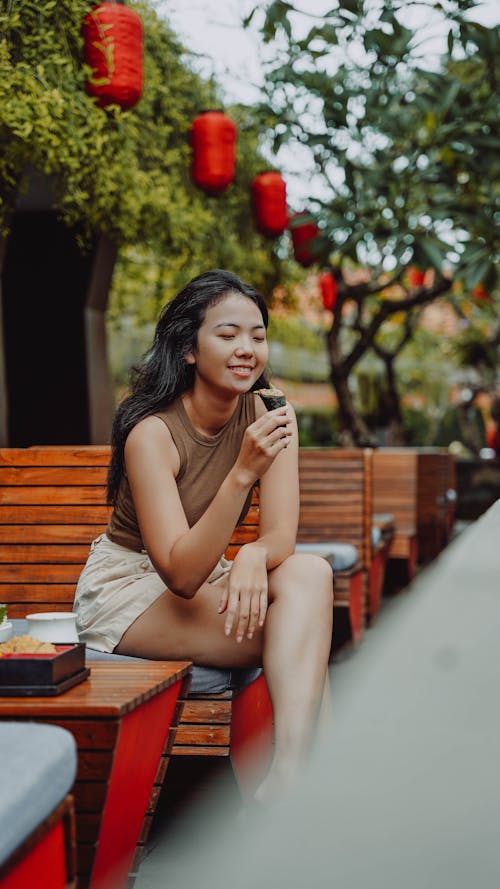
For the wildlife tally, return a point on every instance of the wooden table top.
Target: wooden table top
(111, 690)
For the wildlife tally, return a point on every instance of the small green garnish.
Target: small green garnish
(3, 613)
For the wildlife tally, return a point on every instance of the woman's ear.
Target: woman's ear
(189, 358)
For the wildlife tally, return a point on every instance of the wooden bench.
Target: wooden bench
(415, 485)
(336, 504)
(52, 505)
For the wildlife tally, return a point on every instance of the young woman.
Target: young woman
(188, 445)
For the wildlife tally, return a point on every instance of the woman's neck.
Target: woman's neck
(207, 413)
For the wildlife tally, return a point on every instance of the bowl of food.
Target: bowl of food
(53, 626)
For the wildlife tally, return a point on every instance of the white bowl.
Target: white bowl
(5, 630)
(53, 626)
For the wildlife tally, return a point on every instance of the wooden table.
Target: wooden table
(120, 718)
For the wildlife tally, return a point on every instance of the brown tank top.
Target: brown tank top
(204, 464)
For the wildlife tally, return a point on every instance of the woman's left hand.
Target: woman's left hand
(245, 596)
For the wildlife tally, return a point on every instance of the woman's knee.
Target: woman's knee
(305, 573)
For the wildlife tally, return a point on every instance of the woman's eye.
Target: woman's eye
(260, 339)
(227, 336)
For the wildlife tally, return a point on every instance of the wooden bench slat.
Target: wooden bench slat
(34, 495)
(53, 475)
(44, 554)
(202, 735)
(39, 592)
(206, 711)
(41, 534)
(49, 514)
(57, 455)
(18, 609)
(41, 574)
(200, 750)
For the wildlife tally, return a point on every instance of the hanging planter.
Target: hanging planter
(213, 141)
(113, 48)
(269, 203)
(416, 276)
(328, 287)
(303, 232)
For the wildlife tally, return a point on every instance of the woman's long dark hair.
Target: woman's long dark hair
(163, 374)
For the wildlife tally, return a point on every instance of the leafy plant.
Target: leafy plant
(408, 156)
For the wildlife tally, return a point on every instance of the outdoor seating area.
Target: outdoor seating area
(249, 437)
(52, 505)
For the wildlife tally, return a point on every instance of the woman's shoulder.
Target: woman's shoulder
(151, 438)
(151, 429)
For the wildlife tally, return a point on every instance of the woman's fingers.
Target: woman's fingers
(254, 618)
(262, 607)
(243, 617)
(233, 609)
(223, 600)
(245, 613)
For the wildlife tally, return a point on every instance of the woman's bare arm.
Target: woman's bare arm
(245, 597)
(279, 502)
(183, 556)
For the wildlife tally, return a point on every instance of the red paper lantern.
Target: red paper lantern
(213, 140)
(302, 235)
(479, 293)
(415, 276)
(269, 203)
(114, 50)
(328, 286)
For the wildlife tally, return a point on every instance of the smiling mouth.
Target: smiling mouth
(241, 370)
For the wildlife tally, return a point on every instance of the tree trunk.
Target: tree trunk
(353, 429)
(395, 434)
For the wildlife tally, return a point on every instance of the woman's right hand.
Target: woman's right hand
(262, 442)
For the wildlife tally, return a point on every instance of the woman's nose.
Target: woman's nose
(244, 346)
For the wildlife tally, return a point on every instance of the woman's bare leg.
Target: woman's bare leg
(190, 629)
(293, 647)
(297, 641)
(325, 719)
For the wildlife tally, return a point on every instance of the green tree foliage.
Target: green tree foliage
(407, 152)
(116, 172)
(125, 174)
(122, 173)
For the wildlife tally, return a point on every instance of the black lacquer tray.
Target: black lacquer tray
(43, 674)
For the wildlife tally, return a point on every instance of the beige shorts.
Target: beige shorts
(115, 587)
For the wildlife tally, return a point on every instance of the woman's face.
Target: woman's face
(231, 351)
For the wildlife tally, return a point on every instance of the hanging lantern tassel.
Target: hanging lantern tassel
(302, 235)
(113, 48)
(269, 203)
(328, 286)
(415, 276)
(213, 141)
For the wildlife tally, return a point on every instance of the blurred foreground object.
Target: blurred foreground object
(406, 791)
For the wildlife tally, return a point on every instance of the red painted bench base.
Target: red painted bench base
(47, 859)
